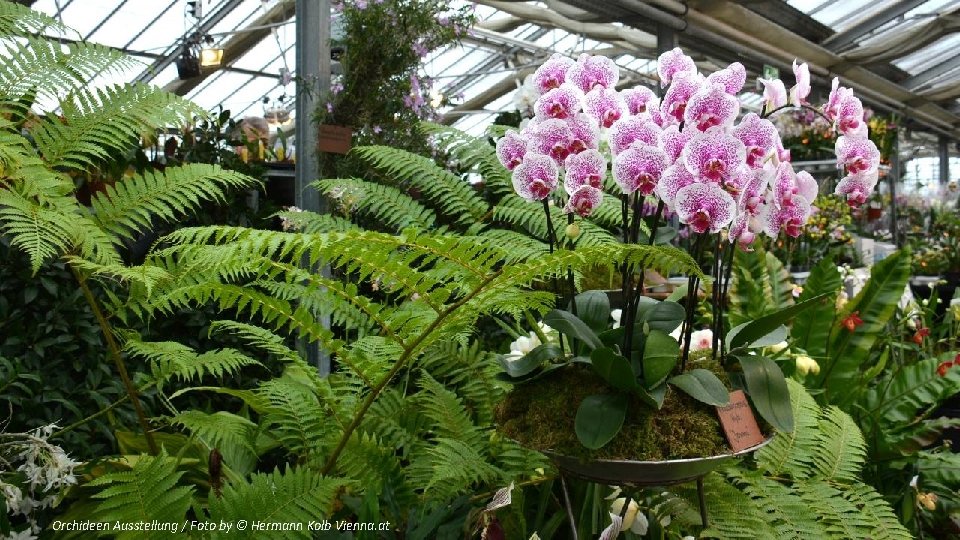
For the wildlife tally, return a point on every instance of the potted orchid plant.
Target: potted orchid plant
(691, 151)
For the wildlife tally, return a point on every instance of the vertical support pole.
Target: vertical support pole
(893, 177)
(701, 498)
(943, 152)
(666, 38)
(313, 79)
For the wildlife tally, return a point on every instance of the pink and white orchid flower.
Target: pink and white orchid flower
(638, 98)
(562, 102)
(683, 87)
(759, 136)
(553, 138)
(732, 78)
(856, 188)
(857, 155)
(552, 73)
(584, 201)
(673, 141)
(630, 130)
(536, 177)
(588, 168)
(591, 71)
(604, 104)
(800, 91)
(774, 94)
(705, 207)
(639, 168)
(673, 179)
(713, 155)
(672, 62)
(711, 106)
(510, 149)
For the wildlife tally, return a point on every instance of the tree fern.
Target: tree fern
(791, 452)
(297, 495)
(232, 435)
(383, 205)
(170, 360)
(475, 154)
(451, 195)
(449, 467)
(148, 492)
(19, 20)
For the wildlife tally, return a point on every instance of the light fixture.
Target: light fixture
(210, 56)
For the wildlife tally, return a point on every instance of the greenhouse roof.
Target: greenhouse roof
(897, 54)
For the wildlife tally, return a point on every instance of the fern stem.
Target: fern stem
(117, 359)
(401, 362)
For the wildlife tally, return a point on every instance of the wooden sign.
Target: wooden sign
(738, 422)
(334, 139)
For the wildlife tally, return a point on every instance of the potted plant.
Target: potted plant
(618, 395)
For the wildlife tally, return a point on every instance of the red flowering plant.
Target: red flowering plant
(727, 178)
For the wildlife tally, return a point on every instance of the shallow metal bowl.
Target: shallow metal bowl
(644, 473)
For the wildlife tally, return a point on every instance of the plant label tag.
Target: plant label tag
(738, 422)
(334, 139)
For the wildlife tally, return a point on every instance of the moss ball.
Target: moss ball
(540, 415)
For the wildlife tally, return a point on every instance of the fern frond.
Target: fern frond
(385, 205)
(297, 495)
(232, 435)
(782, 508)
(792, 452)
(449, 194)
(840, 518)
(447, 413)
(170, 359)
(877, 513)
(841, 450)
(449, 468)
(254, 336)
(40, 231)
(148, 492)
(19, 20)
(296, 416)
(473, 153)
(130, 206)
(312, 222)
(44, 67)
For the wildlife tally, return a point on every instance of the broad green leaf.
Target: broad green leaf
(599, 419)
(757, 329)
(702, 385)
(665, 315)
(660, 355)
(776, 336)
(653, 397)
(614, 369)
(530, 361)
(569, 324)
(593, 308)
(812, 331)
(875, 304)
(768, 390)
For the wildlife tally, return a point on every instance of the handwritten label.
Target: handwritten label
(334, 139)
(738, 422)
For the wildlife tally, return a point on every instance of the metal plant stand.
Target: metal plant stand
(639, 474)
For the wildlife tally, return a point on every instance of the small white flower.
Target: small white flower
(913, 481)
(805, 365)
(689, 538)
(615, 315)
(701, 340)
(634, 520)
(777, 347)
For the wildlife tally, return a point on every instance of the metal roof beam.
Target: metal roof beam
(170, 55)
(849, 36)
(933, 73)
(240, 43)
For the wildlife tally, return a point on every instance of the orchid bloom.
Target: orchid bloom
(683, 87)
(673, 141)
(788, 217)
(639, 168)
(586, 133)
(857, 155)
(605, 105)
(837, 94)
(711, 106)
(759, 136)
(587, 168)
(705, 207)
(800, 91)
(552, 73)
(552, 137)
(584, 201)
(638, 99)
(630, 130)
(672, 62)
(673, 179)
(732, 78)
(562, 102)
(510, 149)
(713, 155)
(856, 188)
(774, 94)
(536, 177)
(849, 115)
(591, 71)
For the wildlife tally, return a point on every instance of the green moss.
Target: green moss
(541, 415)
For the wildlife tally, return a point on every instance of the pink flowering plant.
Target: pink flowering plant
(691, 150)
